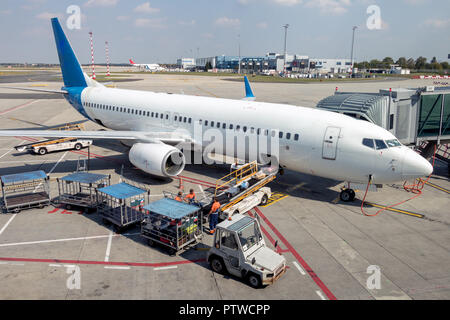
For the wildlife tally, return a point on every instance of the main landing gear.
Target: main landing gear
(347, 195)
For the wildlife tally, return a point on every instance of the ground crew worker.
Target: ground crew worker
(190, 197)
(214, 216)
(178, 197)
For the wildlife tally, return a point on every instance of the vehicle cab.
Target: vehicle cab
(239, 249)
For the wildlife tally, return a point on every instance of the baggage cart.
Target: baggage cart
(25, 190)
(122, 205)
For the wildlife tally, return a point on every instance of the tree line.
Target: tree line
(421, 63)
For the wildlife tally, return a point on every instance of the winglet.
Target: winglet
(70, 67)
(248, 90)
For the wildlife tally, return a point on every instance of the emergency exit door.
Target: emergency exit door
(330, 142)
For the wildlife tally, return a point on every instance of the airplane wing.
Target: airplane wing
(38, 90)
(143, 136)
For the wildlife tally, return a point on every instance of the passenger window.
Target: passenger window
(231, 127)
(280, 134)
(266, 132)
(156, 114)
(206, 122)
(244, 128)
(161, 116)
(380, 144)
(224, 125)
(152, 114)
(175, 118)
(200, 121)
(252, 130)
(184, 119)
(189, 120)
(258, 131)
(238, 127)
(296, 137)
(368, 143)
(218, 125)
(212, 123)
(288, 136)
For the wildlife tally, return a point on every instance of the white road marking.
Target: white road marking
(118, 268)
(165, 268)
(108, 246)
(51, 170)
(18, 107)
(321, 295)
(9, 150)
(201, 190)
(12, 263)
(55, 265)
(62, 240)
(299, 268)
(7, 223)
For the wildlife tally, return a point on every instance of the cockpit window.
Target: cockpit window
(380, 144)
(393, 143)
(368, 143)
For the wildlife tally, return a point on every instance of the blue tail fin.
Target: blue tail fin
(248, 89)
(70, 67)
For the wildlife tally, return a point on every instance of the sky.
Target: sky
(160, 31)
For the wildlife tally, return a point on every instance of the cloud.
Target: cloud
(146, 8)
(262, 25)
(150, 23)
(334, 7)
(227, 22)
(33, 4)
(101, 3)
(436, 23)
(288, 3)
(187, 23)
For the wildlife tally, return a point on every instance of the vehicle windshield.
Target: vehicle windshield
(393, 143)
(249, 236)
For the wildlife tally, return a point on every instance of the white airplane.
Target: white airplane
(311, 141)
(147, 66)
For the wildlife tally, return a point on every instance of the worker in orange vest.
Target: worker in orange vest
(190, 197)
(214, 216)
(179, 197)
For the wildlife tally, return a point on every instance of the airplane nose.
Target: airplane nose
(415, 166)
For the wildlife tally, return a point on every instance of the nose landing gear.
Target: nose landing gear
(347, 195)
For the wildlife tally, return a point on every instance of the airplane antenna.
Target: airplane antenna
(92, 54)
(107, 59)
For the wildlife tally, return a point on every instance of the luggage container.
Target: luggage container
(122, 205)
(173, 224)
(25, 190)
(79, 189)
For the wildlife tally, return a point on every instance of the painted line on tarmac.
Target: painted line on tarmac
(303, 263)
(409, 213)
(320, 295)
(109, 263)
(18, 107)
(432, 185)
(117, 268)
(62, 240)
(7, 223)
(165, 268)
(299, 268)
(108, 246)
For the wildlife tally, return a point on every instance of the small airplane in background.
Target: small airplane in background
(147, 66)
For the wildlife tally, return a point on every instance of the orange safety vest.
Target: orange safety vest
(178, 198)
(215, 207)
(190, 196)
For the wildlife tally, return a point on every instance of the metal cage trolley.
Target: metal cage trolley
(25, 190)
(121, 204)
(79, 189)
(172, 224)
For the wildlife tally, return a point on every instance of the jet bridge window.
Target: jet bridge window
(380, 144)
(368, 143)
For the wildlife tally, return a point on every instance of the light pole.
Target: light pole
(286, 26)
(353, 42)
(239, 53)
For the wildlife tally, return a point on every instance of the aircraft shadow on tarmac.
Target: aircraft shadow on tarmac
(31, 96)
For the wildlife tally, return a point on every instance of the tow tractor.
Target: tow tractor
(240, 250)
(43, 147)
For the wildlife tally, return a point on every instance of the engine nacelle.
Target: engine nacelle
(158, 159)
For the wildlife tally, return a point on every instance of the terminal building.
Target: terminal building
(274, 62)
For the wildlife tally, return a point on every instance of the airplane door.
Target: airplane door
(330, 142)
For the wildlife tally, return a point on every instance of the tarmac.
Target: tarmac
(330, 246)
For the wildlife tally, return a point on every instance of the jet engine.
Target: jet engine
(158, 159)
